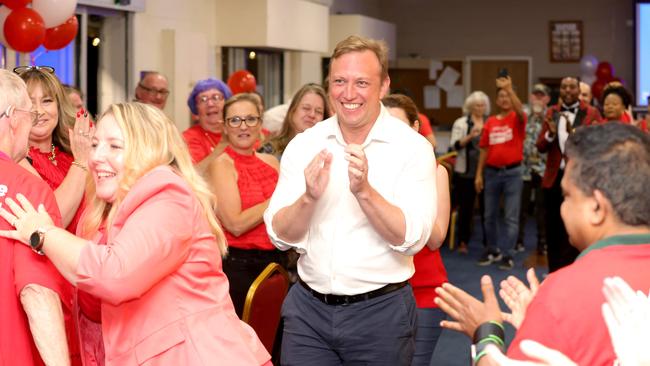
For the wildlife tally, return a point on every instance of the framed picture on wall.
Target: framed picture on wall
(565, 41)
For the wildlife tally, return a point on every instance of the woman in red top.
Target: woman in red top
(244, 181)
(616, 101)
(429, 270)
(57, 152)
(204, 138)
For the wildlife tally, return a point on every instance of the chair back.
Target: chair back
(264, 302)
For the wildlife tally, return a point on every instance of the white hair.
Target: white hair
(13, 90)
(477, 96)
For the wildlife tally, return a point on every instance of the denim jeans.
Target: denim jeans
(506, 183)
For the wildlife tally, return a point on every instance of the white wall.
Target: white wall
(179, 40)
(342, 26)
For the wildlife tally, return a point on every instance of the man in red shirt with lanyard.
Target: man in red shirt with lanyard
(499, 171)
(608, 222)
(34, 298)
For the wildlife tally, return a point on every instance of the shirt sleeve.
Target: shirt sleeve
(31, 268)
(425, 126)
(153, 242)
(416, 194)
(291, 185)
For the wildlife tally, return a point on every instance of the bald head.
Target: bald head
(585, 92)
(153, 89)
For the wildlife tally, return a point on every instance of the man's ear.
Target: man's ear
(385, 87)
(601, 208)
(416, 125)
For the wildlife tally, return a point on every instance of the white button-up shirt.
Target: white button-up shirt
(342, 253)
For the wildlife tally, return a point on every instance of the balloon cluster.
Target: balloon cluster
(50, 23)
(242, 81)
(598, 74)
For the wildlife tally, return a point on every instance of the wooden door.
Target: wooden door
(483, 73)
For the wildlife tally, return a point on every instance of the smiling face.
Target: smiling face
(48, 113)
(243, 137)
(613, 107)
(503, 101)
(209, 105)
(569, 90)
(310, 111)
(356, 89)
(107, 158)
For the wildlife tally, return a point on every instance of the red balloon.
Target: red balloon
(24, 30)
(59, 36)
(16, 4)
(604, 71)
(242, 81)
(597, 88)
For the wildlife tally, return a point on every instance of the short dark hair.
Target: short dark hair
(405, 103)
(622, 93)
(613, 158)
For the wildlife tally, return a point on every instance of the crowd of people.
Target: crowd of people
(125, 241)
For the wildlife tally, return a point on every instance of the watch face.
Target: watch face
(34, 239)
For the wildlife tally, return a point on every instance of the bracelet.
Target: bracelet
(78, 164)
(489, 329)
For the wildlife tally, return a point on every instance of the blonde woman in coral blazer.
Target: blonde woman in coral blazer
(164, 298)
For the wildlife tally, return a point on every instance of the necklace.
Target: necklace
(52, 156)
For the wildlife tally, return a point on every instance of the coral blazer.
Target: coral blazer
(164, 295)
(586, 115)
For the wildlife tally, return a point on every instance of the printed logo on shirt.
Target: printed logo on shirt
(3, 190)
(500, 135)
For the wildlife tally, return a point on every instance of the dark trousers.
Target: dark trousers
(379, 331)
(242, 266)
(465, 197)
(560, 252)
(530, 186)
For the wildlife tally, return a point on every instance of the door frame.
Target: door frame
(470, 59)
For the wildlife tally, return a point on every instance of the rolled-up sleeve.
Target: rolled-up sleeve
(416, 194)
(291, 185)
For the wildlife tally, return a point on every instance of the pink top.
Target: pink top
(256, 181)
(164, 295)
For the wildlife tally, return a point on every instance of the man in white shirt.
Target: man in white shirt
(356, 199)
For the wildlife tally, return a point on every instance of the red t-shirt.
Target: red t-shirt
(256, 181)
(565, 315)
(20, 266)
(504, 139)
(425, 125)
(200, 142)
(429, 273)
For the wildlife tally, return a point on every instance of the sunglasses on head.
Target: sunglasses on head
(23, 69)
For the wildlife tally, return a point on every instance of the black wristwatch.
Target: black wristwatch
(37, 239)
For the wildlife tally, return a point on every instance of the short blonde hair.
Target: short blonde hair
(151, 140)
(359, 44)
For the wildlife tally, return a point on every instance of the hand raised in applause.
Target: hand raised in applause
(551, 124)
(317, 175)
(80, 136)
(357, 168)
(468, 312)
(518, 296)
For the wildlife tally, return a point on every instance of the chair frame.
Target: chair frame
(271, 269)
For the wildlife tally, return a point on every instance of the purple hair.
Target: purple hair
(207, 84)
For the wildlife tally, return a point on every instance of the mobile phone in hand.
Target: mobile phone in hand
(503, 73)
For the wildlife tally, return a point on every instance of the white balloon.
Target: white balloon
(54, 12)
(4, 12)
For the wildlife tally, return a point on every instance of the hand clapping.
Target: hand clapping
(317, 175)
(357, 168)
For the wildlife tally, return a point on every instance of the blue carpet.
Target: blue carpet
(453, 347)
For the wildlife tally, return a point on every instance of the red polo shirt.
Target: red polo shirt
(566, 312)
(20, 266)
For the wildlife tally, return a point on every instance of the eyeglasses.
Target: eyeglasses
(250, 121)
(11, 109)
(23, 69)
(153, 91)
(214, 97)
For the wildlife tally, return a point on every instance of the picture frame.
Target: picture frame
(566, 42)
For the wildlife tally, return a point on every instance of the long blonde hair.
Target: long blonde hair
(151, 140)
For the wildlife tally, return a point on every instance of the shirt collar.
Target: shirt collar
(379, 131)
(630, 239)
